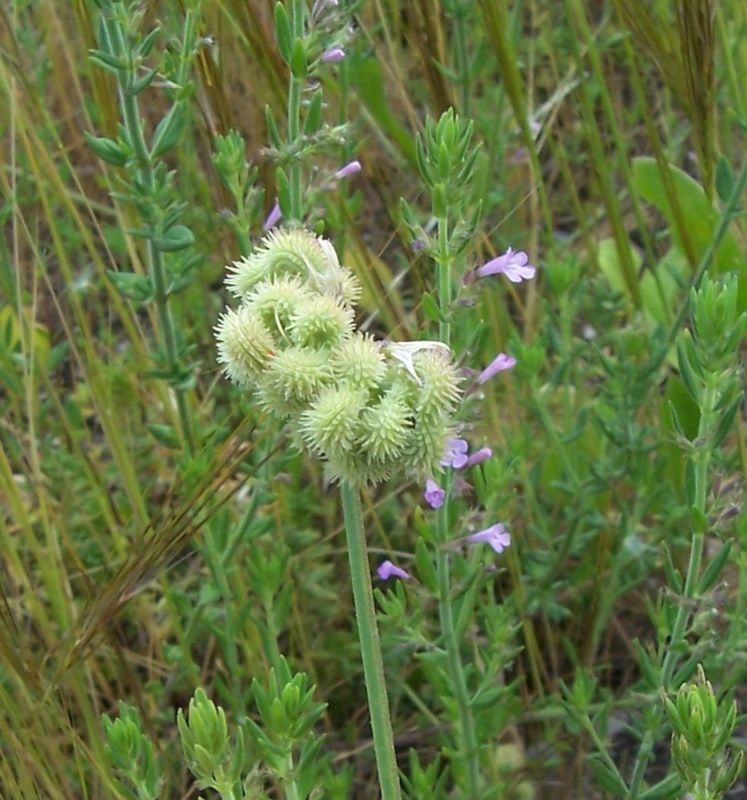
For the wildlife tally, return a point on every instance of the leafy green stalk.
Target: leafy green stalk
(129, 86)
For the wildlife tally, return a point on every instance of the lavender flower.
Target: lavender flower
(500, 363)
(387, 570)
(350, 168)
(434, 495)
(455, 454)
(273, 217)
(496, 536)
(483, 454)
(333, 55)
(513, 264)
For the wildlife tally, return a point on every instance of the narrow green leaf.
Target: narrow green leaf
(273, 134)
(168, 131)
(140, 84)
(283, 32)
(608, 779)
(313, 121)
(283, 186)
(726, 422)
(674, 578)
(724, 179)
(430, 307)
(165, 435)
(145, 47)
(425, 568)
(686, 369)
(106, 149)
(298, 58)
(715, 567)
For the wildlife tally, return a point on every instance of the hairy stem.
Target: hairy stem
(702, 459)
(368, 633)
(468, 739)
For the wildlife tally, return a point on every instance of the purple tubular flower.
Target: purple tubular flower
(483, 454)
(349, 169)
(387, 570)
(434, 495)
(273, 217)
(498, 364)
(333, 55)
(455, 454)
(496, 536)
(513, 264)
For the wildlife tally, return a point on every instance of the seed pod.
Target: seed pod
(245, 346)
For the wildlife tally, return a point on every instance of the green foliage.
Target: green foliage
(701, 730)
(131, 753)
(162, 530)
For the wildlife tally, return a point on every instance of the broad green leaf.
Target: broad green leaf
(611, 266)
(700, 217)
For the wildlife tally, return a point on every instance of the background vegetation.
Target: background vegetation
(140, 560)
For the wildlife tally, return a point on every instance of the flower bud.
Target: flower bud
(245, 346)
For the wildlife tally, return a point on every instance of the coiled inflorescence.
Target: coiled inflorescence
(367, 408)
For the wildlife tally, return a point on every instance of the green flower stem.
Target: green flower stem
(707, 414)
(294, 115)
(373, 666)
(136, 135)
(702, 460)
(294, 127)
(290, 786)
(468, 739)
(444, 282)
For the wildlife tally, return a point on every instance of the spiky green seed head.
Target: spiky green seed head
(283, 252)
(386, 428)
(295, 251)
(276, 302)
(425, 446)
(331, 425)
(439, 384)
(359, 361)
(293, 378)
(245, 346)
(321, 321)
